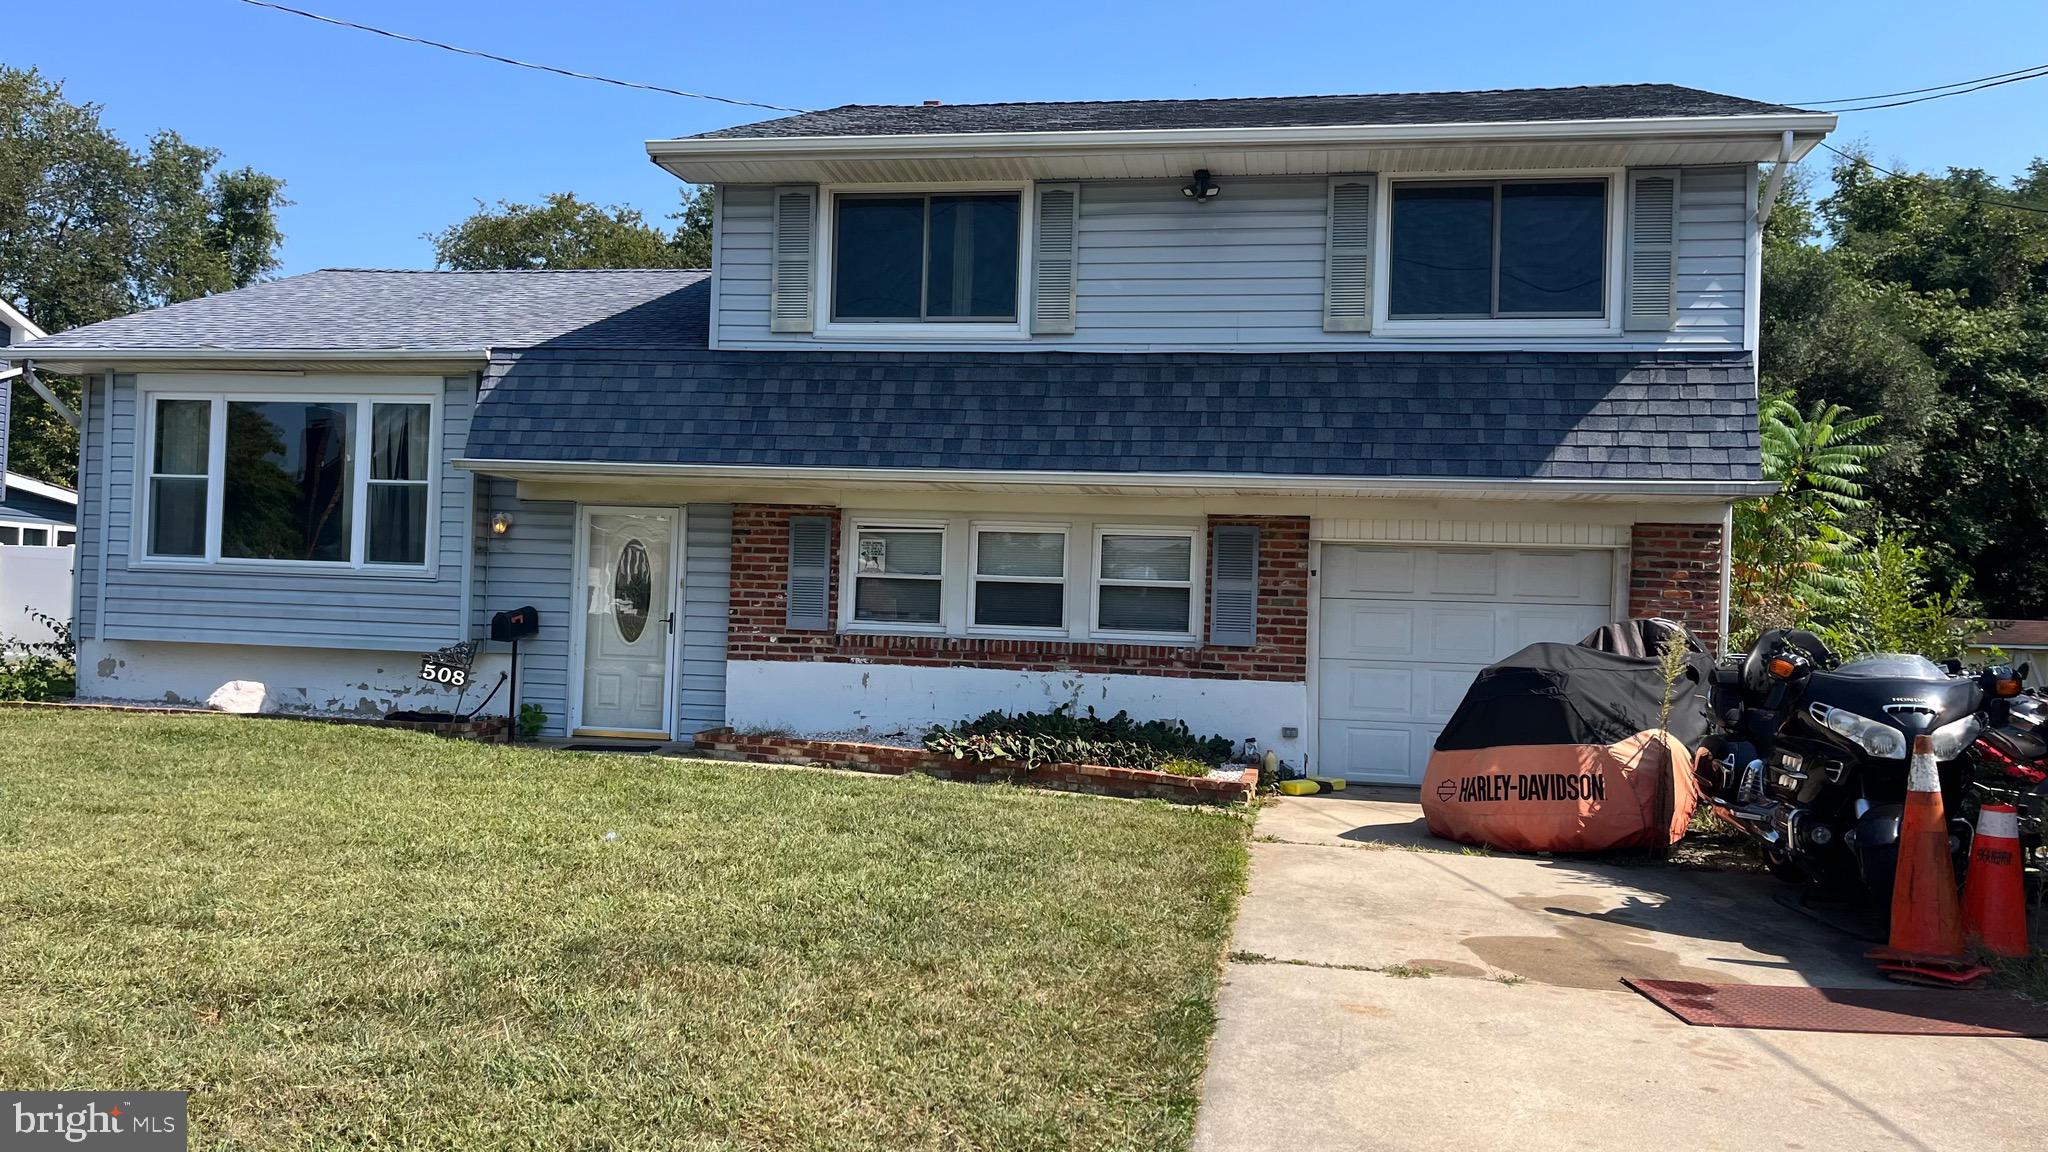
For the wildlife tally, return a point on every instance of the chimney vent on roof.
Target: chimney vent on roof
(933, 103)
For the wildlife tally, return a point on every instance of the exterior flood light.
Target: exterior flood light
(501, 524)
(1201, 191)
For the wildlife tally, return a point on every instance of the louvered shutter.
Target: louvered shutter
(1234, 585)
(1054, 277)
(792, 296)
(810, 572)
(1652, 302)
(1347, 267)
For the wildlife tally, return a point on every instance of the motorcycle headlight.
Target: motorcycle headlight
(1951, 739)
(1880, 740)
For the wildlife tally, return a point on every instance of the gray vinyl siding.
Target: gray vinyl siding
(707, 597)
(534, 565)
(92, 499)
(1242, 272)
(223, 605)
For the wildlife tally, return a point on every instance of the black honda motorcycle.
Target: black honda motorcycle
(1812, 754)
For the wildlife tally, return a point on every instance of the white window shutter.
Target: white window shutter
(1347, 266)
(1055, 284)
(792, 297)
(1652, 300)
(1234, 585)
(810, 572)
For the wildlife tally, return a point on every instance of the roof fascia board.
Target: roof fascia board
(1769, 126)
(34, 487)
(50, 356)
(1097, 481)
(13, 318)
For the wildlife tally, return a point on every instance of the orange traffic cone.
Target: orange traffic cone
(1927, 926)
(1994, 902)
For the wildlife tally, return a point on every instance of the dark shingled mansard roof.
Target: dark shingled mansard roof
(356, 309)
(1500, 106)
(1523, 415)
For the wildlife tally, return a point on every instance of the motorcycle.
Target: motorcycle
(1812, 755)
(2009, 765)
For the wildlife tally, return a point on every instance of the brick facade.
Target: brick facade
(759, 629)
(1675, 572)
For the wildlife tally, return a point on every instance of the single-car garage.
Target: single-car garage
(1403, 630)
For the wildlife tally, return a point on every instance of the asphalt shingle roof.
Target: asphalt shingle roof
(1601, 102)
(360, 309)
(1555, 415)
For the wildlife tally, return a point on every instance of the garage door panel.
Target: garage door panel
(1355, 629)
(1460, 633)
(1356, 690)
(1466, 574)
(1385, 753)
(1383, 572)
(1536, 625)
(1443, 690)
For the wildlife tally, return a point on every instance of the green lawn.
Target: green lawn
(345, 937)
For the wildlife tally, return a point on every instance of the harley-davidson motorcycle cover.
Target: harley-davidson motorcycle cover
(1558, 749)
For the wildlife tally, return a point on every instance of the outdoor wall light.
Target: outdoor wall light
(501, 524)
(1201, 191)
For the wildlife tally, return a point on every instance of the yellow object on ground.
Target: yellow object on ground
(1331, 783)
(1299, 787)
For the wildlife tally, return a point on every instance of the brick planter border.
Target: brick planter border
(1097, 779)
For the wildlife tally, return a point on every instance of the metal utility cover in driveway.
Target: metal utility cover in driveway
(1888, 1011)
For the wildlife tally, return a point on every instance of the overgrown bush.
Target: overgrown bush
(1061, 737)
(46, 670)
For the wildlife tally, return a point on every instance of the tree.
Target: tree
(91, 229)
(1792, 552)
(566, 232)
(1894, 609)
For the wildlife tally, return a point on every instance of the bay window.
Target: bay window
(1498, 249)
(343, 482)
(1020, 578)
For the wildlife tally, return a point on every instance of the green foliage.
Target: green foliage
(565, 232)
(91, 229)
(1792, 548)
(532, 718)
(1061, 737)
(1896, 610)
(1182, 766)
(1927, 305)
(46, 670)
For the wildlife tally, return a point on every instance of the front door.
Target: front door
(628, 620)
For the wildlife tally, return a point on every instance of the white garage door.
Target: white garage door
(1404, 630)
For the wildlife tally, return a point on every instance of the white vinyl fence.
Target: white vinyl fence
(33, 578)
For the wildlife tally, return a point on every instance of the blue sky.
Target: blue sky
(381, 141)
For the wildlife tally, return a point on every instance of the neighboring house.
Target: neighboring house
(37, 532)
(2022, 642)
(1280, 416)
(15, 328)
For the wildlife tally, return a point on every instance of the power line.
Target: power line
(519, 63)
(1917, 91)
(2034, 74)
(1850, 156)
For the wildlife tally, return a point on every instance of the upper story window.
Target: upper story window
(917, 258)
(1498, 249)
(339, 482)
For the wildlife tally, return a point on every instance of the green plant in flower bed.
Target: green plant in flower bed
(1061, 737)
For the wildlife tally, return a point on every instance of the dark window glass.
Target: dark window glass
(632, 591)
(177, 483)
(973, 270)
(878, 269)
(1553, 248)
(287, 486)
(1441, 259)
(400, 463)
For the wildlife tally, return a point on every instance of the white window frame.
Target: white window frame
(849, 562)
(360, 391)
(1609, 324)
(1097, 582)
(822, 323)
(975, 577)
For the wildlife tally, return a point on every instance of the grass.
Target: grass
(360, 938)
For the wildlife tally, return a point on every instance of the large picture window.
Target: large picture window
(925, 257)
(1503, 249)
(287, 480)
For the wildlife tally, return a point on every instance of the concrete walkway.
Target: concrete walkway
(1523, 1038)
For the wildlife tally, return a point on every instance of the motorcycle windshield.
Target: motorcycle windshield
(1892, 666)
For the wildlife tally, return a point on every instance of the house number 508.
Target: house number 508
(443, 674)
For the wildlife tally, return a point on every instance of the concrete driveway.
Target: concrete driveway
(1522, 1036)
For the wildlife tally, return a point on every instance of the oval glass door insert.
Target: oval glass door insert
(632, 590)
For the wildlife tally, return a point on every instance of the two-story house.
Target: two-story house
(1278, 416)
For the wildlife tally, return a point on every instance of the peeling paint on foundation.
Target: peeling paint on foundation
(106, 667)
(296, 681)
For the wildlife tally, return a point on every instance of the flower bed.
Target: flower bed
(1234, 785)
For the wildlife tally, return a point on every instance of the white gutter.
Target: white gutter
(918, 144)
(61, 355)
(1018, 479)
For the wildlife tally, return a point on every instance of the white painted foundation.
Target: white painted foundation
(808, 698)
(309, 681)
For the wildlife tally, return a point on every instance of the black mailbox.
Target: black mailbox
(515, 624)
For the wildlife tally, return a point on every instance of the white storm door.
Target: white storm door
(628, 620)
